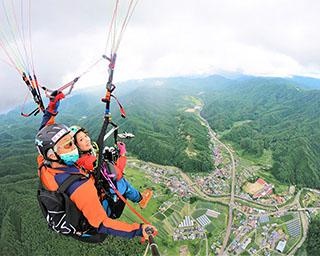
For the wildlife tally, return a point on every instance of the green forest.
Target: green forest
(276, 115)
(312, 244)
(253, 113)
(313, 241)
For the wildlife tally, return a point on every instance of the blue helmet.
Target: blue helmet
(48, 136)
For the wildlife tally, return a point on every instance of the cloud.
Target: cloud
(168, 38)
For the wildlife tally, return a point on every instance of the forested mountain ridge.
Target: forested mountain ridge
(275, 115)
(306, 82)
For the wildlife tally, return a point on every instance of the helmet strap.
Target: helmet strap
(58, 160)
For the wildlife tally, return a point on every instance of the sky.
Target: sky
(166, 38)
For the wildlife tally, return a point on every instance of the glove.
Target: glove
(122, 148)
(148, 230)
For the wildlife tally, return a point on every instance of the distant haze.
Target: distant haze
(169, 38)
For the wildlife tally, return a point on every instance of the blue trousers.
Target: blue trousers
(125, 189)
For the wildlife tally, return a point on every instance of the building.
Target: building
(294, 227)
(212, 213)
(187, 222)
(246, 243)
(266, 189)
(264, 219)
(203, 220)
(281, 245)
(279, 199)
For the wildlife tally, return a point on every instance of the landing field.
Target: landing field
(252, 188)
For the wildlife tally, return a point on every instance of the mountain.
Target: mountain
(306, 82)
(274, 115)
(254, 114)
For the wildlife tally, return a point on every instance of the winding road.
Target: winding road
(233, 178)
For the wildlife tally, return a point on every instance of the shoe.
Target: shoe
(146, 196)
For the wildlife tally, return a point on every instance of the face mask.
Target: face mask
(71, 157)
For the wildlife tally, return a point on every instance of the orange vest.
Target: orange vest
(87, 201)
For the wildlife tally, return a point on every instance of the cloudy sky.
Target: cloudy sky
(167, 38)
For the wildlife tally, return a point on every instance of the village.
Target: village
(259, 190)
(169, 177)
(254, 230)
(217, 182)
(188, 229)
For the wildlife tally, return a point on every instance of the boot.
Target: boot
(146, 196)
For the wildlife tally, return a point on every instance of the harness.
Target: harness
(61, 213)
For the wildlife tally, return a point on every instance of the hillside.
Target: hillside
(272, 114)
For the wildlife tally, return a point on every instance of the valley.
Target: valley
(269, 224)
(233, 165)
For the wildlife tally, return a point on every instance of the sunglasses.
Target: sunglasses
(68, 144)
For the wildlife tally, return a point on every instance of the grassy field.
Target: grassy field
(194, 100)
(291, 242)
(202, 248)
(264, 160)
(197, 213)
(159, 216)
(274, 253)
(252, 188)
(282, 219)
(302, 200)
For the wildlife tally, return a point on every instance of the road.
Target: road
(231, 204)
(233, 178)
